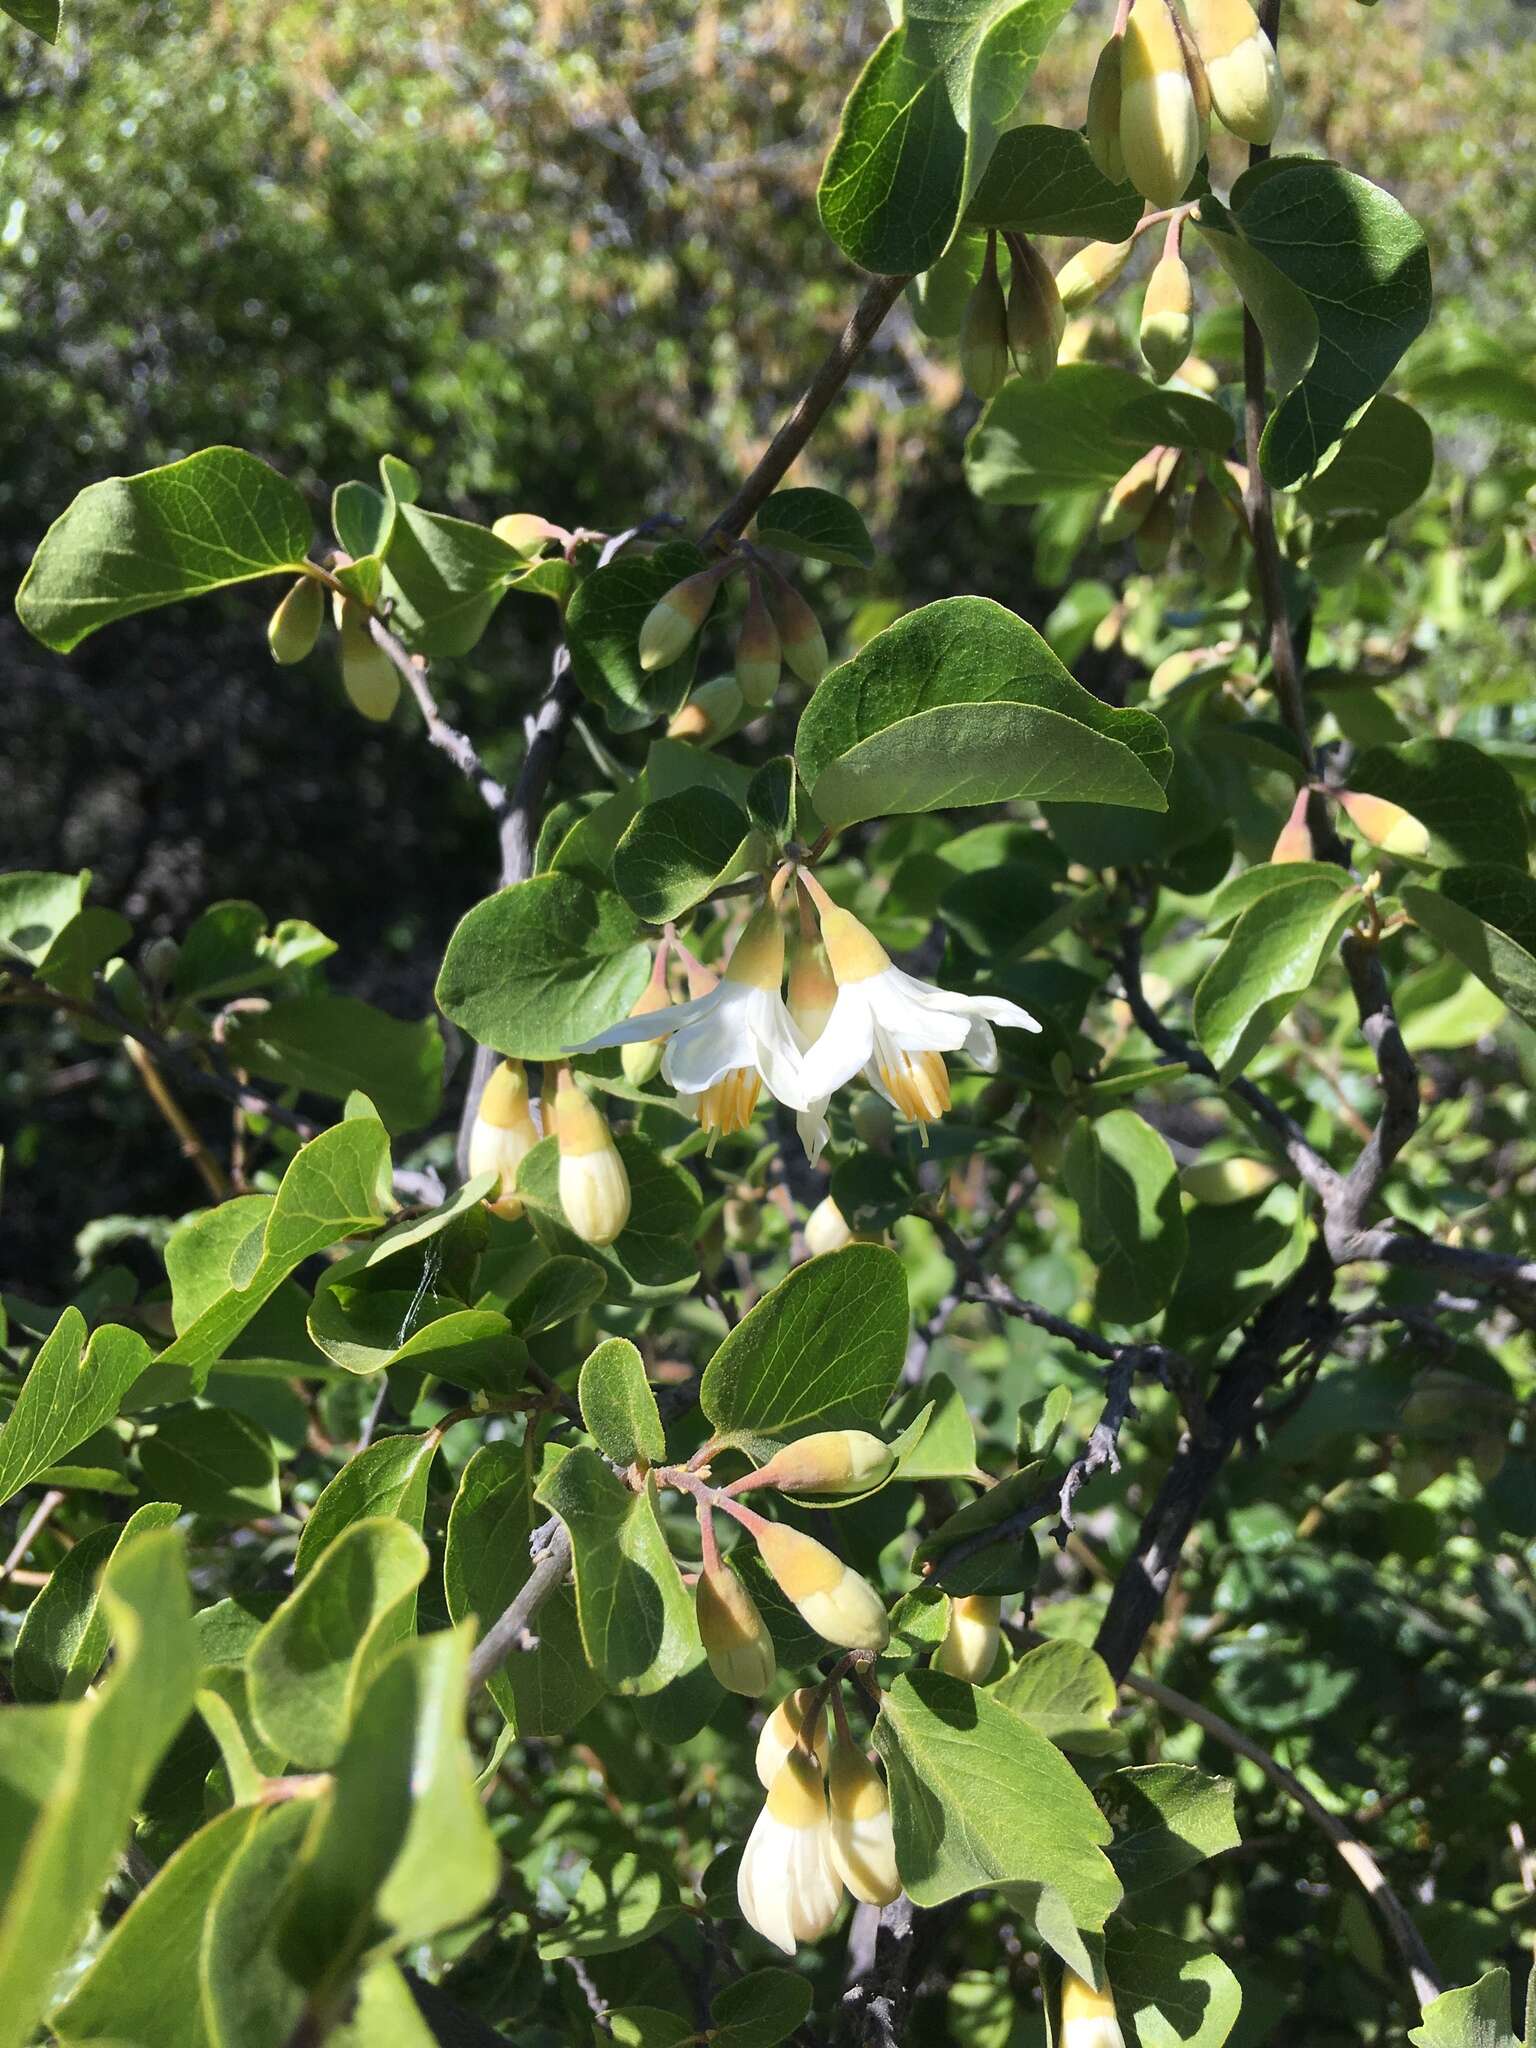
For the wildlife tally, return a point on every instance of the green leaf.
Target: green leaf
(759, 2010)
(1468, 801)
(1044, 181)
(250, 1998)
(1064, 1691)
(368, 1329)
(637, 1619)
(73, 1776)
(1486, 916)
(962, 703)
(41, 16)
(387, 1478)
(63, 1637)
(143, 1983)
(1180, 419)
(562, 1287)
(771, 799)
(85, 944)
(920, 126)
(72, 1389)
(131, 543)
(221, 952)
(676, 852)
(1472, 2016)
(979, 1799)
(1167, 1818)
(1177, 1994)
(1009, 1567)
(648, 2026)
(35, 908)
(616, 1905)
(820, 524)
(1382, 465)
(446, 577)
(603, 625)
(652, 1258)
(1278, 948)
(213, 1461)
(1240, 890)
(312, 1658)
(543, 966)
(947, 1447)
(617, 1405)
(542, 1691)
(1281, 309)
(330, 1045)
(1079, 431)
(1122, 1176)
(822, 1350)
(1361, 260)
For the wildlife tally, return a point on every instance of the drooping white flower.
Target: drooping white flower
(863, 1845)
(1087, 2016)
(969, 1648)
(788, 1887)
(725, 1045)
(812, 999)
(783, 1729)
(503, 1134)
(895, 1027)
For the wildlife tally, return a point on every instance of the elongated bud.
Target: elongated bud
(984, 333)
(812, 991)
(1103, 124)
(1386, 825)
(801, 640)
(874, 1122)
(1132, 498)
(1220, 1183)
(674, 619)
(1091, 271)
(713, 711)
(1295, 841)
(1247, 90)
(863, 1845)
(757, 651)
(1153, 539)
(831, 1598)
(735, 1636)
(831, 1461)
(367, 674)
(528, 532)
(295, 626)
(784, 1728)
(503, 1133)
(593, 1186)
(1212, 523)
(1035, 316)
(1159, 114)
(826, 1228)
(969, 1648)
(158, 961)
(642, 1062)
(787, 1886)
(1088, 2016)
(1168, 317)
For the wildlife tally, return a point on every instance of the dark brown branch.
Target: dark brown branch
(511, 1631)
(456, 745)
(1399, 1115)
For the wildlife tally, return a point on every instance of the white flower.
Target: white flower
(788, 1887)
(894, 1026)
(812, 999)
(863, 1846)
(724, 1045)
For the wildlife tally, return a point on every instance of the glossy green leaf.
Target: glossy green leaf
(1167, 1818)
(35, 908)
(1079, 431)
(603, 625)
(1176, 1994)
(41, 16)
(250, 1998)
(389, 1477)
(1065, 1692)
(676, 852)
(760, 2009)
(652, 1258)
(947, 1447)
(1486, 916)
(1471, 2016)
(329, 1045)
(1281, 309)
(562, 1287)
(366, 1329)
(446, 577)
(1249, 884)
(543, 966)
(63, 1636)
(1381, 466)
(72, 1389)
(214, 1461)
(820, 524)
(1468, 801)
(1043, 181)
(1278, 948)
(978, 1798)
(618, 1406)
(1122, 1176)
(617, 1904)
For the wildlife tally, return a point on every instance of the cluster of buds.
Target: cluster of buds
(1167, 68)
(1380, 823)
(778, 630)
(1025, 326)
(592, 1180)
(1143, 507)
(368, 676)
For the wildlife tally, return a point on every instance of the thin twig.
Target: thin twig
(551, 1546)
(456, 745)
(30, 1531)
(192, 1146)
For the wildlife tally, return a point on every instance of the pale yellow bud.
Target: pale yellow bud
(801, 640)
(713, 711)
(1103, 124)
(984, 336)
(1295, 840)
(1088, 2016)
(295, 626)
(503, 1134)
(642, 1063)
(863, 1846)
(788, 1887)
(368, 675)
(674, 619)
(735, 1636)
(826, 1228)
(1386, 825)
(1219, 1183)
(1153, 539)
(1133, 496)
(758, 657)
(594, 1188)
(784, 1729)
(1035, 315)
(1168, 317)
(831, 1598)
(1247, 90)
(1159, 114)
(527, 532)
(1091, 271)
(969, 1648)
(831, 1461)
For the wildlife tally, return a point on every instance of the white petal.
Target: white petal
(720, 1040)
(981, 1045)
(844, 1045)
(814, 1130)
(656, 1024)
(997, 1010)
(776, 1046)
(915, 1025)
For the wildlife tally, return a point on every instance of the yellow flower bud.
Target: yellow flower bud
(503, 1133)
(831, 1598)
(1153, 539)
(757, 651)
(1219, 1183)
(812, 990)
(1386, 825)
(527, 532)
(863, 1846)
(788, 1887)
(295, 626)
(1103, 124)
(735, 1636)
(801, 641)
(674, 619)
(984, 335)
(713, 711)
(831, 1461)
(1212, 522)
(1295, 841)
(642, 1062)
(969, 1648)
(594, 1188)
(1035, 316)
(1168, 317)
(1247, 90)
(783, 1730)
(368, 675)
(1132, 498)
(1091, 271)
(1088, 2016)
(826, 1228)
(1159, 114)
